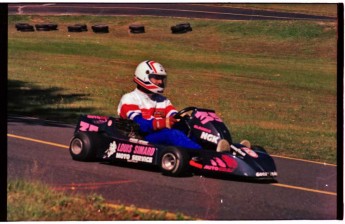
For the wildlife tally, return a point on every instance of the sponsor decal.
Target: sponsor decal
(111, 150)
(230, 162)
(216, 168)
(217, 162)
(87, 127)
(202, 128)
(122, 156)
(126, 148)
(134, 140)
(125, 151)
(266, 174)
(207, 117)
(273, 174)
(223, 164)
(250, 152)
(145, 159)
(144, 150)
(209, 137)
(97, 117)
(261, 174)
(239, 151)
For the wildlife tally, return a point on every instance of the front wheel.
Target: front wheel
(174, 162)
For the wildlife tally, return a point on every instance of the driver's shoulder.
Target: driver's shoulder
(129, 97)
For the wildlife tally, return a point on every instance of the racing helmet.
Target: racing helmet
(150, 69)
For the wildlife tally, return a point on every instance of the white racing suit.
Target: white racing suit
(143, 108)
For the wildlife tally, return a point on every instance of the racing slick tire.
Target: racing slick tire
(174, 162)
(82, 146)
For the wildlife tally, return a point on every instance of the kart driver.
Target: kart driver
(150, 109)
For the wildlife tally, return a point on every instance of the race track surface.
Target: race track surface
(153, 9)
(39, 150)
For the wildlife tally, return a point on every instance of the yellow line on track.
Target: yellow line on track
(303, 160)
(38, 141)
(274, 184)
(304, 189)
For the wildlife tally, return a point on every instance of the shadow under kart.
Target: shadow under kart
(112, 139)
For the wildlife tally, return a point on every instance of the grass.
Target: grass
(311, 9)
(34, 201)
(272, 82)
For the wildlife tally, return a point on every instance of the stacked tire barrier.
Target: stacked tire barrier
(98, 28)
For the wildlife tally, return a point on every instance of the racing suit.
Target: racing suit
(144, 108)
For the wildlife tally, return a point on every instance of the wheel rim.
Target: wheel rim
(76, 146)
(169, 161)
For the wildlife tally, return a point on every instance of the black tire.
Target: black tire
(174, 162)
(21, 25)
(82, 26)
(46, 26)
(83, 146)
(136, 29)
(181, 28)
(100, 28)
(52, 26)
(75, 28)
(24, 27)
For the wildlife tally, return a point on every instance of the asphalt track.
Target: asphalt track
(305, 190)
(170, 10)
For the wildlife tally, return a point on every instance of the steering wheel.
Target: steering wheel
(183, 112)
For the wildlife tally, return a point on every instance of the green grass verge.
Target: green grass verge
(34, 201)
(307, 8)
(272, 82)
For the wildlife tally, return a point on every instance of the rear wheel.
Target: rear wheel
(174, 162)
(83, 146)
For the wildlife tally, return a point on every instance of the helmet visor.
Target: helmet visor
(158, 80)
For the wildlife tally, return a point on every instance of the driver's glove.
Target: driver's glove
(160, 123)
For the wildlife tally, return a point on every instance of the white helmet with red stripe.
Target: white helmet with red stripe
(150, 69)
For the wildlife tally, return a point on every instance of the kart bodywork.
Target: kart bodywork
(111, 139)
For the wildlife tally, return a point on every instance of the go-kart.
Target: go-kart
(112, 139)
